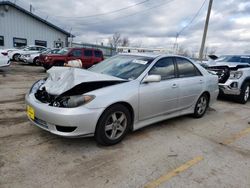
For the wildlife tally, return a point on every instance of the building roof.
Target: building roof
(35, 17)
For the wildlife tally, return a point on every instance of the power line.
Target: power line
(194, 17)
(122, 17)
(175, 47)
(107, 13)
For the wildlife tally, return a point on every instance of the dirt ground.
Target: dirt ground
(213, 151)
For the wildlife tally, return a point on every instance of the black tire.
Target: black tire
(16, 57)
(36, 61)
(244, 94)
(107, 127)
(201, 106)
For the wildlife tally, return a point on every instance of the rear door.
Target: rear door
(190, 81)
(159, 98)
(88, 58)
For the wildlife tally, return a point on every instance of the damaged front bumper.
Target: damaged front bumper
(230, 88)
(67, 122)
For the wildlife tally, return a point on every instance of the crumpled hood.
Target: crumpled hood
(62, 79)
(229, 64)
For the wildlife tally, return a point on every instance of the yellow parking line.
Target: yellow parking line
(236, 136)
(169, 175)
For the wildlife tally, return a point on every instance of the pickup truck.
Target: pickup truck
(234, 76)
(88, 57)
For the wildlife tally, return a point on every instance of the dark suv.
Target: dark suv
(88, 57)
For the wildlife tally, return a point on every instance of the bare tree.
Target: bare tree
(115, 40)
(125, 41)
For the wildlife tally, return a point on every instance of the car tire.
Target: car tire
(16, 57)
(36, 61)
(244, 94)
(201, 106)
(113, 125)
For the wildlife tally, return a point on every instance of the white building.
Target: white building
(19, 27)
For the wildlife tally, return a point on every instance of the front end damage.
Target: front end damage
(230, 78)
(62, 110)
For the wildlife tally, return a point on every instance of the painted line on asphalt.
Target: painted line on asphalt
(175, 172)
(236, 137)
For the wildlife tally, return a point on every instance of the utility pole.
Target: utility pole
(205, 30)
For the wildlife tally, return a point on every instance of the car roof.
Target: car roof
(153, 55)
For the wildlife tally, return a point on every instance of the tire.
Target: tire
(244, 94)
(36, 61)
(201, 106)
(113, 125)
(16, 57)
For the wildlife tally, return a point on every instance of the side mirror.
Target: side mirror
(152, 78)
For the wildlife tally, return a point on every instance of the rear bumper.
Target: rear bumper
(5, 63)
(80, 121)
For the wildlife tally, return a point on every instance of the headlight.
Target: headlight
(36, 86)
(235, 74)
(73, 101)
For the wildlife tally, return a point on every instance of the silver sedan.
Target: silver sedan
(123, 93)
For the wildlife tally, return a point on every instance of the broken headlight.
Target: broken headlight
(73, 101)
(36, 86)
(235, 74)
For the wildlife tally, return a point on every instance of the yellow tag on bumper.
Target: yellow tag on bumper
(30, 112)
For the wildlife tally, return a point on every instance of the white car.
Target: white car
(4, 60)
(15, 54)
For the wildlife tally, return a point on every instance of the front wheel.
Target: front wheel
(113, 125)
(16, 57)
(201, 106)
(244, 94)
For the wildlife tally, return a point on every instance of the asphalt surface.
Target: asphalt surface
(213, 151)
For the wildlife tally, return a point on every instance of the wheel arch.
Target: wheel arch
(247, 80)
(128, 106)
(208, 94)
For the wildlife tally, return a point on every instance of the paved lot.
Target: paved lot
(183, 152)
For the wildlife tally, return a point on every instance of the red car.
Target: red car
(88, 57)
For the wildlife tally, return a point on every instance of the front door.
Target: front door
(159, 98)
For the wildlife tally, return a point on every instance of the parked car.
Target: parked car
(88, 57)
(33, 58)
(15, 54)
(234, 76)
(122, 93)
(4, 60)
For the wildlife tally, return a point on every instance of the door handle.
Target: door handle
(174, 86)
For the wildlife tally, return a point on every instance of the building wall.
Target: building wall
(14, 23)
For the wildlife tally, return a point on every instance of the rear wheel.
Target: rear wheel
(113, 125)
(201, 106)
(244, 94)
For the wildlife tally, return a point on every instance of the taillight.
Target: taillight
(5, 53)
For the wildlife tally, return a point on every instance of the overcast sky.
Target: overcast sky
(152, 23)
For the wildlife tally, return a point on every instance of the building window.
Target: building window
(19, 42)
(41, 43)
(1, 41)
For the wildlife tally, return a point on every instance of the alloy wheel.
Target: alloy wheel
(115, 125)
(202, 105)
(246, 93)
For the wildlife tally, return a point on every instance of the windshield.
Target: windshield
(63, 51)
(123, 66)
(234, 59)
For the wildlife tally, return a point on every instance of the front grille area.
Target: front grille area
(223, 73)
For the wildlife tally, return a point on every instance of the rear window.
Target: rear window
(98, 53)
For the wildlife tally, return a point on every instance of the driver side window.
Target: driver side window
(165, 68)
